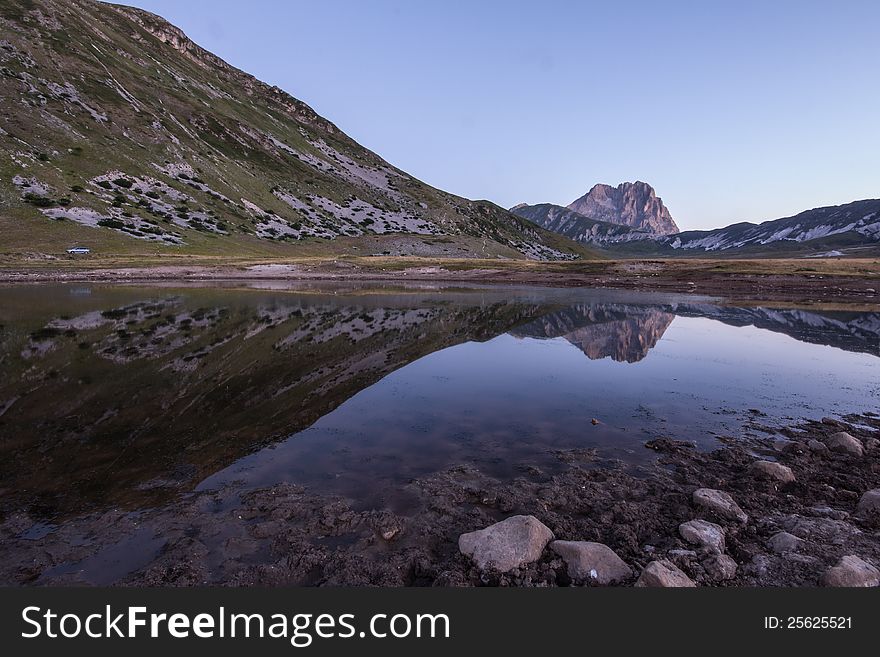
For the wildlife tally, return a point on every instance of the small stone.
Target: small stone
(844, 443)
(868, 508)
(784, 542)
(507, 544)
(851, 571)
(719, 503)
(390, 533)
(828, 512)
(772, 470)
(872, 445)
(720, 567)
(663, 574)
(594, 421)
(817, 447)
(593, 561)
(682, 554)
(703, 533)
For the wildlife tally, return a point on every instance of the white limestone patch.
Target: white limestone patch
(183, 172)
(68, 93)
(115, 219)
(31, 186)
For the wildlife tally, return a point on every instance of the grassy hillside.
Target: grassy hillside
(121, 134)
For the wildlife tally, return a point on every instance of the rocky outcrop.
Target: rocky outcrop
(633, 204)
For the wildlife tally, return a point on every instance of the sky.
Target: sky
(733, 111)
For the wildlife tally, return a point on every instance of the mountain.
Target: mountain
(629, 204)
(578, 227)
(119, 133)
(817, 229)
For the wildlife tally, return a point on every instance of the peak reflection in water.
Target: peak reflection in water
(623, 333)
(128, 396)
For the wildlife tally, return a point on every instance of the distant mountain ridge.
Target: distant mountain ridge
(832, 230)
(578, 227)
(633, 204)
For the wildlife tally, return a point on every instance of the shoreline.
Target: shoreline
(736, 280)
(792, 530)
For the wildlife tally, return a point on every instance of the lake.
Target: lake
(128, 397)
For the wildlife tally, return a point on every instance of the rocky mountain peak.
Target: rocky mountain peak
(633, 204)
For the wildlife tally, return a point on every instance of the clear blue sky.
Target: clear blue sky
(734, 111)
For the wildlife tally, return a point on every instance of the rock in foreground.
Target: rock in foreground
(663, 574)
(703, 533)
(507, 544)
(851, 571)
(772, 470)
(844, 443)
(868, 508)
(594, 561)
(719, 503)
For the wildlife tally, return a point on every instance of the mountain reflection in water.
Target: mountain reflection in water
(127, 396)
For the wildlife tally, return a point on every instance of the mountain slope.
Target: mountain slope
(630, 204)
(120, 133)
(578, 227)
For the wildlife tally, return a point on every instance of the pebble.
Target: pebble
(719, 503)
(720, 567)
(784, 542)
(507, 544)
(817, 447)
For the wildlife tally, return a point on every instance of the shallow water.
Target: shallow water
(129, 396)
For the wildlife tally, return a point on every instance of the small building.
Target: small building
(79, 250)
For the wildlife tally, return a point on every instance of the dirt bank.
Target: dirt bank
(851, 281)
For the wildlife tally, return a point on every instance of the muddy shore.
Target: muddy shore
(805, 282)
(285, 535)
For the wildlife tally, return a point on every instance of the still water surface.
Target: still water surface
(130, 395)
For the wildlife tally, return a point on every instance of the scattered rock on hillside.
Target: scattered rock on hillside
(720, 567)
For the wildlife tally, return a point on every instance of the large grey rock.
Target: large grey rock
(844, 443)
(851, 571)
(719, 503)
(784, 542)
(703, 533)
(868, 508)
(720, 567)
(593, 561)
(663, 574)
(507, 544)
(772, 470)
